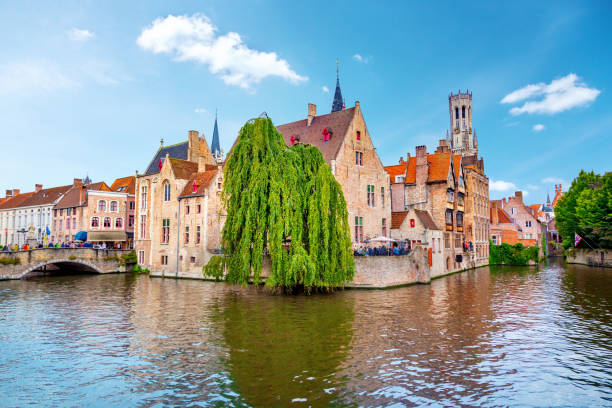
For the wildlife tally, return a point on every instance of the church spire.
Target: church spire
(215, 147)
(338, 102)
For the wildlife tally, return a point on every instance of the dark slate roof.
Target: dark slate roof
(176, 151)
(338, 103)
(215, 146)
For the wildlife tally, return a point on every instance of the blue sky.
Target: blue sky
(91, 87)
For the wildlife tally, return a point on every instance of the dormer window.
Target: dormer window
(399, 179)
(450, 195)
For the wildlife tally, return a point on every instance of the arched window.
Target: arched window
(113, 206)
(456, 112)
(463, 112)
(166, 191)
(107, 222)
(119, 223)
(95, 222)
(101, 205)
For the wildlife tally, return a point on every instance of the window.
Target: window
(143, 197)
(141, 257)
(450, 195)
(61, 212)
(198, 234)
(460, 199)
(384, 227)
(164, 259)
(513, 211)
(118, 223)
(399, 179)
(107, 222)
(74, 211)
(55, 213)
(101, 206)
(439, 246)
(446, 240)
(186, 235)
(192, 259)
(494, 239)
(449, 217)
(132, 205)
(359, 158)
(358, 135)
(370, 195)
(186, 209)
(143, 226)
(165, 230)
(131, 221)
(113, 206)
(59, 224)
(456, 113)
(528, 223)
(457, 240)
(95, 222)
(382, 197)
(460, 181)
(459, 219)
(199, 209)
(166, 191)
(358, 229)
(463, 112)
(74, 223)
(54, 225)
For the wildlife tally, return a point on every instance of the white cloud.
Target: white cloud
(325, 89)
(501, 185)
(533, 187)
(525, 193)
(32, 76)
(362, 59)
(78, 35)
(559, 95)
(200, 110)
(539, 127)
(553, 180)
(194, 38)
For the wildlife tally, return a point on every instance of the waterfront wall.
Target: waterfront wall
(386, 271)
(593, 257)
(78, 259)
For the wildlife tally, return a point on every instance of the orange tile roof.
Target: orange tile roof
(125, 184)
(457, 164)
(397, 218)
(16, 201)
(201, 180)
(438, 168)
(396, 170)
(46, 196)
(426, 220)
(183, 169)
(72, 198)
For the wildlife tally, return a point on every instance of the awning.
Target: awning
(81, 236)
(106, 236)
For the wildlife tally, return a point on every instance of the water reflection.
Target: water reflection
(490, 337)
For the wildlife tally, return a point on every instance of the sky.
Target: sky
(90, 88)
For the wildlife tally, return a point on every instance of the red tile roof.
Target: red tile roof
(426, 220)
(338, 122)
(46, 196)
(438, 168)
(457, 164)
(396, 170)
(16, 201)
(183, 169)
(72, 198)
(202, 181)
(125, 184)
(397, 218)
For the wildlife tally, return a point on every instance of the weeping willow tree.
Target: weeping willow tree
(287, 202)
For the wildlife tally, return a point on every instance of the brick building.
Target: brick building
(527, 228)
(347, 147)
(178, 218)
(434, 183)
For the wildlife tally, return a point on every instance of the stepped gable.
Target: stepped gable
(124, 185)
(426, 220)
(338, 122)
(176, 151)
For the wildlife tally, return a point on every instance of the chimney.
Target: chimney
(401, 160)
(193, 143)
(519, 195)
(494, 216)
(82, 194)
(37, 188)
(312, 112)
(9, 193)
(77, 182)
(356, 104)
(16, 192)
(201, 164)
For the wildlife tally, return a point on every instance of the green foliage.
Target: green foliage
(586, 209)
(128, 259)
(214, 268)
(5, 260)
(287, 202)
(139, 269)
(72, 257)
(516, 254)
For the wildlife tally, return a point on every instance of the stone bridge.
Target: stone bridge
(48, 260)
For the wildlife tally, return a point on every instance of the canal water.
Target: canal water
(499, 336)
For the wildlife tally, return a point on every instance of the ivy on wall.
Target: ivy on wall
(516, 254)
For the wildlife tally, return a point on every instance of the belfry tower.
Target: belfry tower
(462, 135)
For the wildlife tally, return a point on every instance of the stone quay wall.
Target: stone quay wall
(89, 259)
(591, 257)
(387, 271)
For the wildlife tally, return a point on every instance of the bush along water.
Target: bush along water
(286, 202)
(516, 254)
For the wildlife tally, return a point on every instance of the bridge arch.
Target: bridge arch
(67, 264)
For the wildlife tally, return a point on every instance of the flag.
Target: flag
(577, 239)
(48, 231)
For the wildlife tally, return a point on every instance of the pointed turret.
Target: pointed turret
(338, 103)
(215, 146)
(547, 199)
